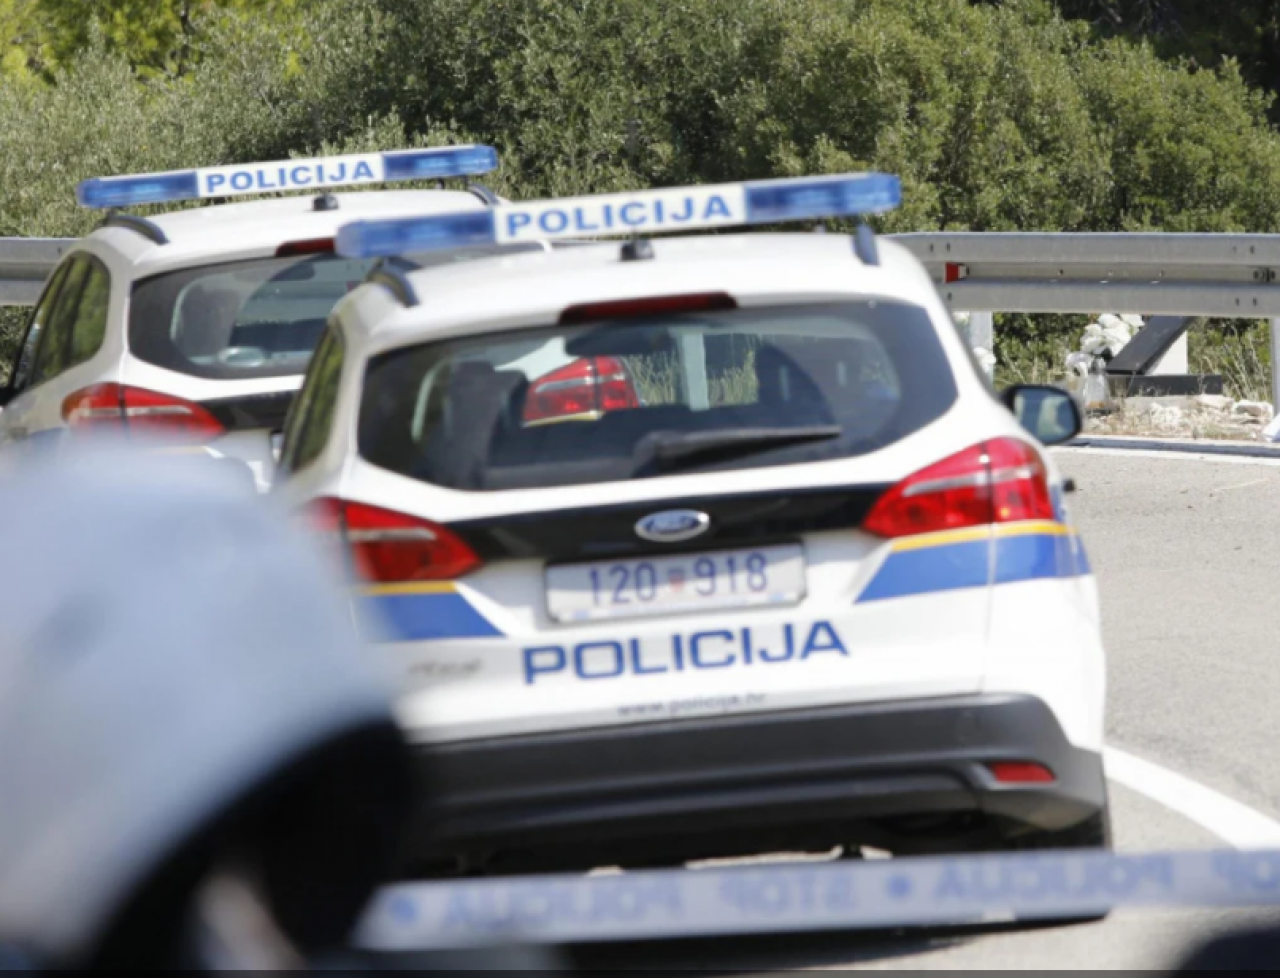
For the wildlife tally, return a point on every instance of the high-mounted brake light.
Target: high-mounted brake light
(585, 388)
(998, 481)
(116, 405)
(638, 212)
(309, 246)
(389, 547)
(257, 178)
(650, 306)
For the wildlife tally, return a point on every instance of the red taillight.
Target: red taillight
(589, 386)
(1020, 772)
(390, 547)
(651, 306)
(115, 405)
(999, 481)
(309, 246)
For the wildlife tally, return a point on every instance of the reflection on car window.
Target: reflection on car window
(316, 402)
(258, 318)
(54, 351)
(35, 329)
(90, 327)
(580, 404)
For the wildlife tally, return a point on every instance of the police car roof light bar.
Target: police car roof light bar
(311, 174)
(640, 212)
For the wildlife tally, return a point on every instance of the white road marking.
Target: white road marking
(1236, 823)
(1243, 485)
(1158, 453)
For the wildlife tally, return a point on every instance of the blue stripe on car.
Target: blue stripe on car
(432, 612)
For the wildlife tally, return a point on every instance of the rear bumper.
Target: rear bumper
(760, 781)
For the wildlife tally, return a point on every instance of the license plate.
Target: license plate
(661, 585)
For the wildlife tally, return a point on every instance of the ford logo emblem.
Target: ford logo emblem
(673, 525)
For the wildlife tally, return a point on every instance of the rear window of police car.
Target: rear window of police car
(641, 397)
(255, 318)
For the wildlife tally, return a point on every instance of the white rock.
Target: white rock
(1164, 416)
(1214, 402)
(1260, 410)
(1139, 407)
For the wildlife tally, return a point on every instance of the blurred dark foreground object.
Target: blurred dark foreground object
(1250, 950)
(199, 765)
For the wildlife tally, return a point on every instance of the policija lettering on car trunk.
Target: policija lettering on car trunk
(713, 649)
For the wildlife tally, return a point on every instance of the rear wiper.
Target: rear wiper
(667, 450)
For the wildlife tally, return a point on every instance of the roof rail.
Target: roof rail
(392, 275)
(148, 229)
(484, 193)
(864, 245)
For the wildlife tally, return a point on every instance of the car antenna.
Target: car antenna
(637, 248)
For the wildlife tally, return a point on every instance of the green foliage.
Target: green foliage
(996, 117)
(1239, 350)
(153, 36)
(1200, 32)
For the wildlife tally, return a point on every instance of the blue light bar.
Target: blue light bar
(642, 212)
(803, 199)
(402, 237)
(258, 178)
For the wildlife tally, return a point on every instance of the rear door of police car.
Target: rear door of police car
(774, 564)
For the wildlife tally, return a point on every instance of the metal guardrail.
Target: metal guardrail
(25, 263)
(1148, 273)
(1221, 275)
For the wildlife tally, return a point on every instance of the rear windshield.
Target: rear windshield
(256, 318)
(643, 397)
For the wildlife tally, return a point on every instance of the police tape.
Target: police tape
(794, 897)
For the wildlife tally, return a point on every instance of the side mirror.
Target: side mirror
(1049, 413)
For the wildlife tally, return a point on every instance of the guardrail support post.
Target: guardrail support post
(693, 375)
(982, 334)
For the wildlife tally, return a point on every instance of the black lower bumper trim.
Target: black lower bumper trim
(782, 776)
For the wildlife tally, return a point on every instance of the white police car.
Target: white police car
(198, 324)
(703, 546)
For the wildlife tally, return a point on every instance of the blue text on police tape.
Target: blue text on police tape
(613, 900)
(783, 898)
(714, 649)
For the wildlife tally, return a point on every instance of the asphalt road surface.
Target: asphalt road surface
(1187, 553)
